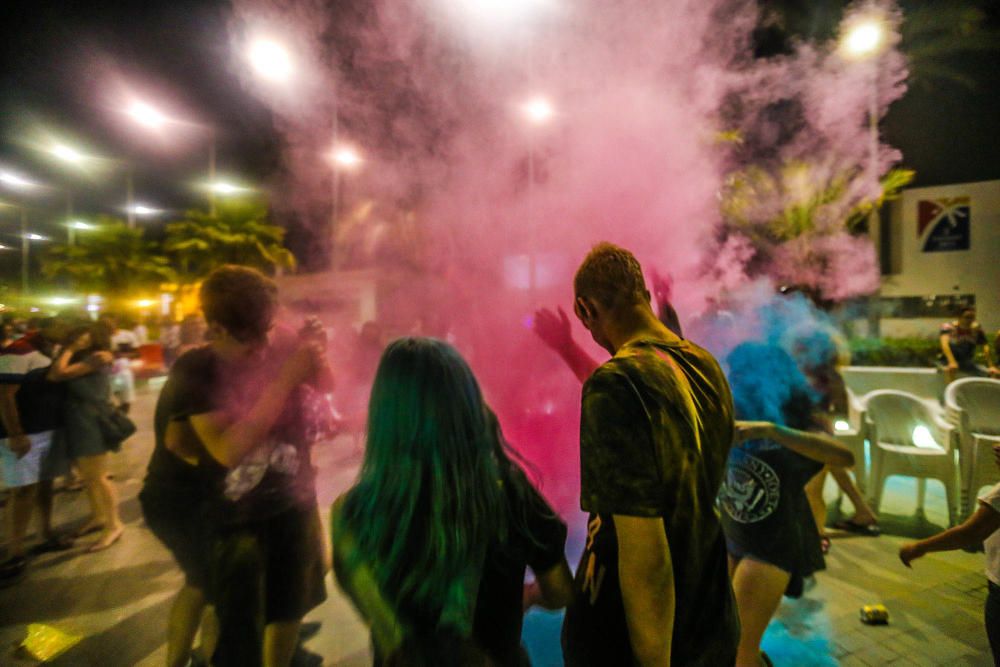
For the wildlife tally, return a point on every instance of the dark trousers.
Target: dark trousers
(991, 616)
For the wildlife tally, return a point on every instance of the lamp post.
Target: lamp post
(863, 40)
(538, 111)
(151, 118)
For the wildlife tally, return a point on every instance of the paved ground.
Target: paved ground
(118, 599)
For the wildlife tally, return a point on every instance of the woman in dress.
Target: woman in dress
(88, 398)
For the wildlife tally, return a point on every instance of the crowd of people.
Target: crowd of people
(700, 484)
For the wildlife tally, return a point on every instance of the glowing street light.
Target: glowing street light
(31, 236)
(864, 38)
(13, 180)
(270, 60)
(67, 154)
(227, 189)
(143, 210)
(80, 225)
(538, 110)
(146, 115)
(346, 157)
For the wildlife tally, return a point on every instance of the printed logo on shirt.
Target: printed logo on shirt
(751, 491)
(245, 477)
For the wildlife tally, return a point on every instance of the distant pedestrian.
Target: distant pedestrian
(960, 340)
(88, 402)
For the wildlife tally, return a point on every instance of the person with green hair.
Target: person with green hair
(432, 542)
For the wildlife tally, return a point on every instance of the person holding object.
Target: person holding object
(241, 411)
(652, 586)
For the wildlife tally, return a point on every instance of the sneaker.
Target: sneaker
(12, 570)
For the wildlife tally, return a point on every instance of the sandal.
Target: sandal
(866, 529)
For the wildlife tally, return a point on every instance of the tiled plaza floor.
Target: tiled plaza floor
(117, 600)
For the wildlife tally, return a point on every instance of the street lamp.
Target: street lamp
(344, 158)
(143, 210)
(148, 116)
(74, 226)
(270, 60)
(538, 111)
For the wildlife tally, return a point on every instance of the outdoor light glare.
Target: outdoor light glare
(146, 115)
(35, 237)
(67, 153)
(142, 209)
(922, 438)
(841, 425)
(538, 110)
(92, 308)
(223, 188)
(863, 38)
(270, 60)
(60, 301)
(79, 224)
(15, 181)
(347, 157)
(4, 247)
(145, 303)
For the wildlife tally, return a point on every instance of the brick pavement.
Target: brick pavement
(118, 599)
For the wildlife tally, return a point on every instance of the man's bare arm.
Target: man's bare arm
(646, 573)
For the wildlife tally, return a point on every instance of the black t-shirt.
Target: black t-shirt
(656, 428)
(39, 402)
(273, 477)
(765, 510)
(540, 544)
(183, 391)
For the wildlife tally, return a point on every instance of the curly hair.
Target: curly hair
(611, 275)
(241, 300)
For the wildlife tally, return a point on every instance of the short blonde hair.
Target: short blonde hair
(612, 276)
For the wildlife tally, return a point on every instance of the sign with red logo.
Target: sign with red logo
(943, 224)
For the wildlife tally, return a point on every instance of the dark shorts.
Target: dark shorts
(177, 520)
(279, 558)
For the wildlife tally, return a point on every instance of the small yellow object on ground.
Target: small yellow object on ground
(874, 614)
(45, 642)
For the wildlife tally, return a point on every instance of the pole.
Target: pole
(70, 231)
(874, 222)
(532, 231)
(334, 182)
(211, 172)
(130, 197)
(24, 252)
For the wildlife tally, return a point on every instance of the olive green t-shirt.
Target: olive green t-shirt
(656, 429)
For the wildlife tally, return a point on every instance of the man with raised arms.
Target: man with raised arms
(652, 586)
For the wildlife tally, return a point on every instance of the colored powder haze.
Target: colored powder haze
(458, 187)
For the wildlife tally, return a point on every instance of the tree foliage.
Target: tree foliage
(240, 233)
(111, 259)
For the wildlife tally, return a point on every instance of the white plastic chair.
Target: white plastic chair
(852, 433)
(909, 438)
(973, 406)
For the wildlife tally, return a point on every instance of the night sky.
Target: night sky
(58, 58)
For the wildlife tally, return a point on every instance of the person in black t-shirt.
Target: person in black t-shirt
(235, 411)
(656, 426)
(432, 542)
(770, 533)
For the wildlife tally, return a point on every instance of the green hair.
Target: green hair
(428, 499)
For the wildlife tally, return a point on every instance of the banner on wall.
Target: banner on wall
(943, 224)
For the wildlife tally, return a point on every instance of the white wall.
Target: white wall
(973, 271)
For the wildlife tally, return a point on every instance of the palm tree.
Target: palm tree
(240, 233)
(112, 259)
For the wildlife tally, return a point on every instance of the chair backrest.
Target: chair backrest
(896, 417)
(978, 399)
